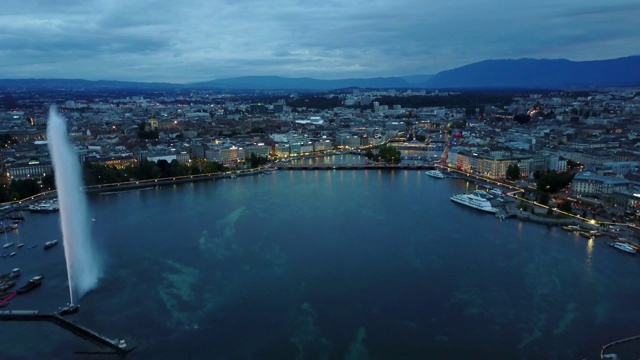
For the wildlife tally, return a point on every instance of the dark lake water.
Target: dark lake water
(326, 265)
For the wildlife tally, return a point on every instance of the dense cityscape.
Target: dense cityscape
(564, 158)
(320, 180)
(124, 136)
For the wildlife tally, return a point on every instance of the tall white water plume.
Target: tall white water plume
(84, 266)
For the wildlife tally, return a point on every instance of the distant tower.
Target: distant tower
(153, 123)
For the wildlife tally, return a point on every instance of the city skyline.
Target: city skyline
(171, 42)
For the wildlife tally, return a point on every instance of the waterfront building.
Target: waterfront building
(258, 149)
(494, 166)
(117, 161)
(589, 183)
(588, 158)
(295, 148)
(306, 148)
(32, 170)
(282, 149)
(225, 155)
(347, 140)
(180, 157)
(625, 201)
(322, 145)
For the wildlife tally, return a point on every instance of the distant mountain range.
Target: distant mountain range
(489, 74)
(282, 83)
(546, 74)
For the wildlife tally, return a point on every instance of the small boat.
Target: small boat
(585, 234)
(69, 309)
(435, 173)
(50, 244)
(31, 284)
(13, 254)
(7, 243)
(572, 228)
(32, 246)
(45, 206)
(623, 246)
(20, 245)
(14, 273)
(7, 285)
(122, 344)
(495, 192)
(17, 216)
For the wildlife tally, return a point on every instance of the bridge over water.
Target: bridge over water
(353, 166)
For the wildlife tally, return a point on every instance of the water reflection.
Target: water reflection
(589, 251)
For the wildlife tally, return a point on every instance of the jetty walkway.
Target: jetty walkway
(613, 356)
(118, 346)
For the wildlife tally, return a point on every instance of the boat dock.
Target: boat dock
(78, 330)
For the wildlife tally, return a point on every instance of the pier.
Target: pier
(613, 356)
(76, 329)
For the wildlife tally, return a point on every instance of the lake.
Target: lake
(369, 264)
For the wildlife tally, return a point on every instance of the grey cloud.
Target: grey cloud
(165, 40)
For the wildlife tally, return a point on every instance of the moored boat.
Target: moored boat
(572, 228)
(69, 309)
(475, 202)
(624, 247)
(435, 173)
(50, 244)
(45, 206)
(31, 284)
(496, 192)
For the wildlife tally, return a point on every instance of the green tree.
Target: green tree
(513, 172)
(421, 138)
(543, 198)
(390, 154)
(565, 206)
(552, 181)
(20, 189)
(49, 182)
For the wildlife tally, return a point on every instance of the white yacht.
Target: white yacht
(624, 247)
(435, 173)
(45, 206)
(475, 202)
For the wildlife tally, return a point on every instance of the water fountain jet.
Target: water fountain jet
(84, 266)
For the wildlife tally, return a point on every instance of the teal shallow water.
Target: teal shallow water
(328, 265)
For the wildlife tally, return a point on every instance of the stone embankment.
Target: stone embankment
(510, 209)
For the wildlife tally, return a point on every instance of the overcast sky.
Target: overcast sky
(186, 41)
